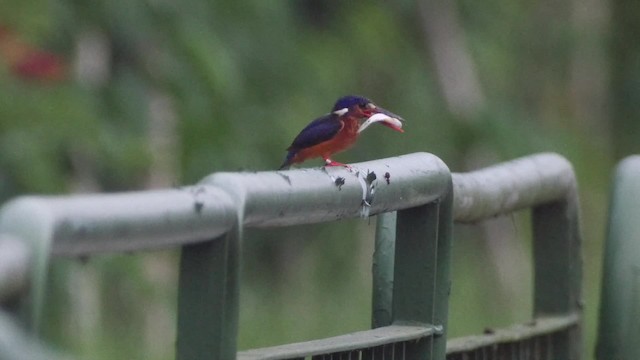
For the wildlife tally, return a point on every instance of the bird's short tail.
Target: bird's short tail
(288, 160)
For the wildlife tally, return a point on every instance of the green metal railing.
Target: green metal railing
(546, 184)
(414, 197)
(419, 188)
(620, 301)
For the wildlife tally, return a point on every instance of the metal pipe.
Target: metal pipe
(87, 224)
(14, 267)
(512, 185)
(282, 198)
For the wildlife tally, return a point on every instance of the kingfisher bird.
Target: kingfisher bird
(338, 130)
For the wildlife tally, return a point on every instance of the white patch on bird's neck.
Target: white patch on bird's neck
(341, 111)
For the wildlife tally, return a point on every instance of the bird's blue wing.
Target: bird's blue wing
(318, 131)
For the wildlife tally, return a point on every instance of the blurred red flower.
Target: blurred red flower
(29, 62)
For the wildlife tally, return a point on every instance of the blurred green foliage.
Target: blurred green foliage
(242, 78)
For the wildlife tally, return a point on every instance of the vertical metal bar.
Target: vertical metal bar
(558, 269)
(619, 324)
(208, 299)
(443, 275)
(415, 271)
(421, 272)
(31, 222)
(383, 257)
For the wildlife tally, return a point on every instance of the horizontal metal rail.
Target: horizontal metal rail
(343, 343)
(541, 326)
(304, 196)
(518, 184)
(88, 224)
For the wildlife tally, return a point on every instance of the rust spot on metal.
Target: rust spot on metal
(198, 203)
(371, 177)
(286, 178)
(198, 206)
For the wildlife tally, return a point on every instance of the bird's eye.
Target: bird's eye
(363, 106)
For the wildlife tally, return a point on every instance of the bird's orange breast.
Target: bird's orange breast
(344, 139)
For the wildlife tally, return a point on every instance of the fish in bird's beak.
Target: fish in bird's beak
(384, 117)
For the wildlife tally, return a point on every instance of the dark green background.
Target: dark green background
(193, 87)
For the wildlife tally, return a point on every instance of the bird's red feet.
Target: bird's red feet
(329, 162)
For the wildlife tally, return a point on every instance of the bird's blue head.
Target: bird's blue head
(363, 108)
(349, 101)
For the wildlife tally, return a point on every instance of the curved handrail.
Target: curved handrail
(303, 196)
(87, 224)
(521, 183)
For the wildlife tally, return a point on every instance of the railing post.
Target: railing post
(382, 269)
(208, 299)
(421, 283)
(619, 323)
(411, 276)
(558, 270)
